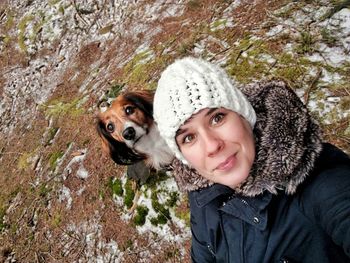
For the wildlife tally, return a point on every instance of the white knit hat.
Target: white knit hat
(188, 86)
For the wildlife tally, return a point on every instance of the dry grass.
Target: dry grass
(37, 223)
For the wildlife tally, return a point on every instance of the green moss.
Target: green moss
(172, 199)
(44, 190)
(286, 12)
(185, 216)
(114, 90)
(194, 4)
(10, 17)
(306, 43)
(290, 68)
(105, 30)
(139, 73)
(6, 39)
(159, 220)
(116, 186)
(246, 61)
(344, 70)
(161, 209)
(53, 2)
(54, 158)
(37, 26)
(129, 194)
(185, 47)
(345, 103)
(61, 10)
(23, 161)
(327, 37)
(155, 178)
(130, 66)
(218, 24)
(140, 217)
(172, 253)
(128, 244)
(51, 135)
(58, 108)
(56, 220)
(22, 26)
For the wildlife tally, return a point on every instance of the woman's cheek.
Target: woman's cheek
(194, 157)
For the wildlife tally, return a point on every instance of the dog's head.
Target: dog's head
(124, 123)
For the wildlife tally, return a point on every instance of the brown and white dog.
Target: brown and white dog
(129, 133)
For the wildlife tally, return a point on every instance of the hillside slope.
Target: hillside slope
(61, 199)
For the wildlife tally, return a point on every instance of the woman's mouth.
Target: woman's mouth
(227, 164)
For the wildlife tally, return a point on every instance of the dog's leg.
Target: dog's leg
(136, 198)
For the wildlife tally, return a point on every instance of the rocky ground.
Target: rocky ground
(61, 199)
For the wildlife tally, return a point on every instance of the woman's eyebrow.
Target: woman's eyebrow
(210, 111)
(179, 132)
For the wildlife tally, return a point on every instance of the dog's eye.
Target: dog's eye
(110, 127)
(129, 110)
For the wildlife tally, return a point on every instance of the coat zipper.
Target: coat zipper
(243, 234)
(242, 245)
(245, 202)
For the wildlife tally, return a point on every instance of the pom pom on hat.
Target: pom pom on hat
(188, 86)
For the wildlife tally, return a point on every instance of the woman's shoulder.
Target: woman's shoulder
(329, 180)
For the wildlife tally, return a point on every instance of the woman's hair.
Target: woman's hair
(188, 86)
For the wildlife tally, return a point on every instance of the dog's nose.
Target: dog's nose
(129, 133)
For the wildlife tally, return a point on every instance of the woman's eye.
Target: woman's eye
(110, 127)
(217, 118)
(129, 110)
(188, 138)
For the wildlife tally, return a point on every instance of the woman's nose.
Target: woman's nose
(212, 142)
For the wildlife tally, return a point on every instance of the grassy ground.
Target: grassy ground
(48, 213)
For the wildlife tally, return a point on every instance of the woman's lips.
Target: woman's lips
(227, 164)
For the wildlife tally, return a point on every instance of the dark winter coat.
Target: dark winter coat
(294, 205)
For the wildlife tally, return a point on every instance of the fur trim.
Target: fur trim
(288, 141)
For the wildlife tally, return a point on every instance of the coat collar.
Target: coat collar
(249, 209)
(288, 141)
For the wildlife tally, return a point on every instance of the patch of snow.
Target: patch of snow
(82, 172)
(275, 31)
(228, 11)
(81, 191)
(89, 235)
(24, 90)
(330, 77)
(161, 9)
(64, 194)
(339, 25)
(60, 161)
(202, 47)
(327, 106)
(163, 231)
(335, 56)
(268, 58)
(221, 23)
(340, 21)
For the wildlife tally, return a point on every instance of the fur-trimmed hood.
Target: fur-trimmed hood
(287, 143)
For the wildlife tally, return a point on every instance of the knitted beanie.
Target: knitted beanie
(188, 86)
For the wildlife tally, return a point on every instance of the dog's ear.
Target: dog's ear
(143, 100)
(119, 151)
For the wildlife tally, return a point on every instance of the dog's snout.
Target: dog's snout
(129, 133)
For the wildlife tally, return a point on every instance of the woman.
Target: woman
(262, 186)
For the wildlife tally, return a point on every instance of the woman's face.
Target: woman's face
(219, 144)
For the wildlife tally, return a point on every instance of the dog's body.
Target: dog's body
(129, 134)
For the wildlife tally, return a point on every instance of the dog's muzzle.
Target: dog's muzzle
(129, 134)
